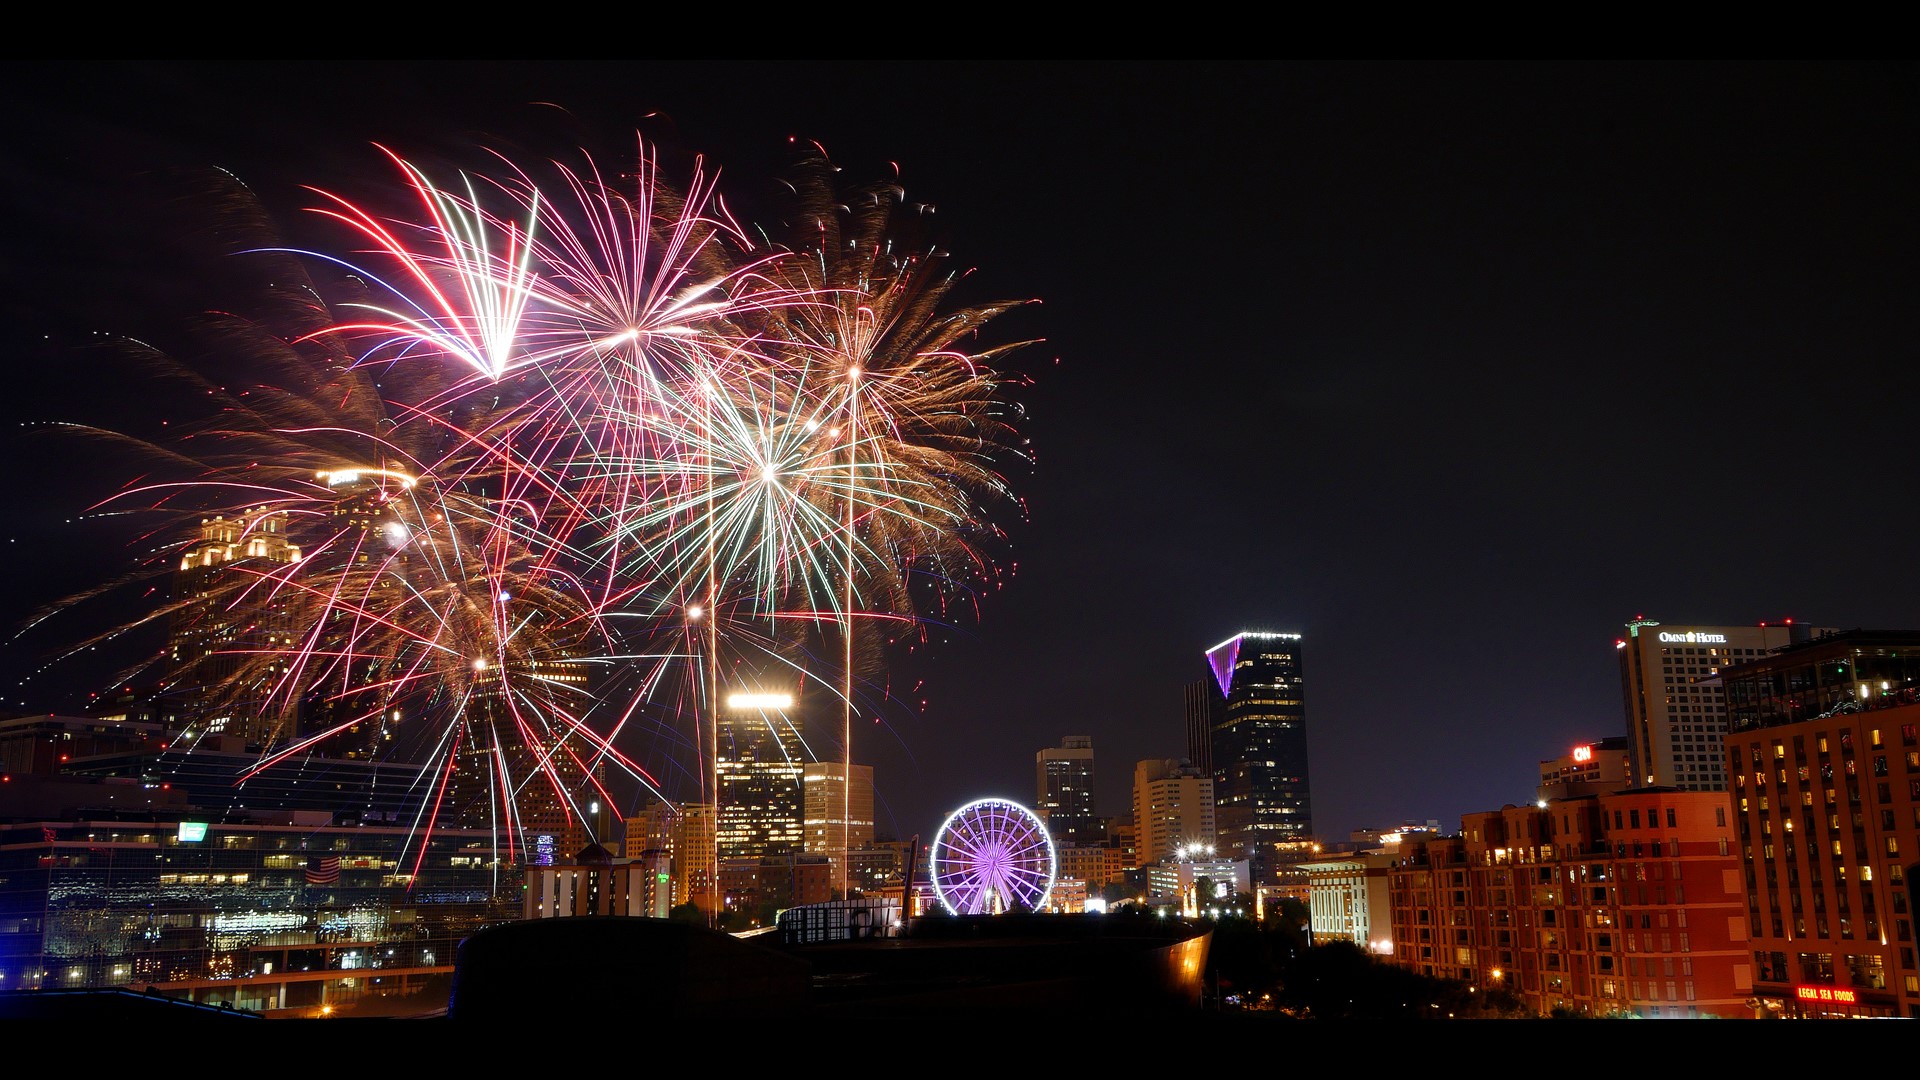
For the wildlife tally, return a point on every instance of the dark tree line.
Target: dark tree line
(1272, 964)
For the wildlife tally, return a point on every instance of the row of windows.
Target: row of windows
(1883, 793)
(1849, 767)
(1632, 819)
(1909, 736)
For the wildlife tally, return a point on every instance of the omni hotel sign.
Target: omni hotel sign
(1692, 638)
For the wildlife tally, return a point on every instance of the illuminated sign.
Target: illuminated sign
(1583, 753)
(759, 701)
(1693, 638)
(338, 477)
(191, 832)
(1826, 993)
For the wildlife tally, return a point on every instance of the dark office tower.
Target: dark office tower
(1205, 710)
(1063, 783)
(760, 777)
(1259, 748)
(555, 808)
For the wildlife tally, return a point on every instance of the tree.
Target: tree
(1290, 920)
(1342, 981)
(1240, 961)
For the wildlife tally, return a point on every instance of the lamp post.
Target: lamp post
(846, 640)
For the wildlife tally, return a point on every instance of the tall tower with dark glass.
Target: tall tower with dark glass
(1257, 720)
(1063, 790)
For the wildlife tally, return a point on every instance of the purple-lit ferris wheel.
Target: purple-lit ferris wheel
(991, 856)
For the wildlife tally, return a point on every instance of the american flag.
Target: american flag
(323, 869)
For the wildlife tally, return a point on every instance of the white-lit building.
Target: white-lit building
(1348, 899)
(596, 883)
(1067, 897)
(759, 773)
(1181, 880)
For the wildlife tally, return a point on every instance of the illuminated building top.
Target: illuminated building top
(255, 534)
(1223, 656)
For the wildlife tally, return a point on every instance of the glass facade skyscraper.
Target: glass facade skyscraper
(1063, 790)
(760, 772)
(1257, 746)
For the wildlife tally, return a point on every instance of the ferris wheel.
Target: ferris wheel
(991, 856)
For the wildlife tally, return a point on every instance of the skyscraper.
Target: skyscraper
(759, 774)
(1203, 704)
(1258, 747)
(1063, 791)
(1676, 708)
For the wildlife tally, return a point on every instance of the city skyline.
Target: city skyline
(1454, 370)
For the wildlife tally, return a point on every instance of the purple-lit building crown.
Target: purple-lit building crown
(1256, 742)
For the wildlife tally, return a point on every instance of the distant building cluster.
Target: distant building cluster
(1749, 848)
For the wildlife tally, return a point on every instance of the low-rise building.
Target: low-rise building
(1622, 904)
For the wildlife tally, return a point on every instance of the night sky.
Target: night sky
(1452, 369)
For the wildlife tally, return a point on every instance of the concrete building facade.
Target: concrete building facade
(1172, 808)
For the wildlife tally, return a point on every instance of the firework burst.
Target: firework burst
(575, 432)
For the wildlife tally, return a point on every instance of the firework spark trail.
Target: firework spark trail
(477, 317)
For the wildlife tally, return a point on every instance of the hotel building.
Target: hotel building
(685, 834)
(1670, 683)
